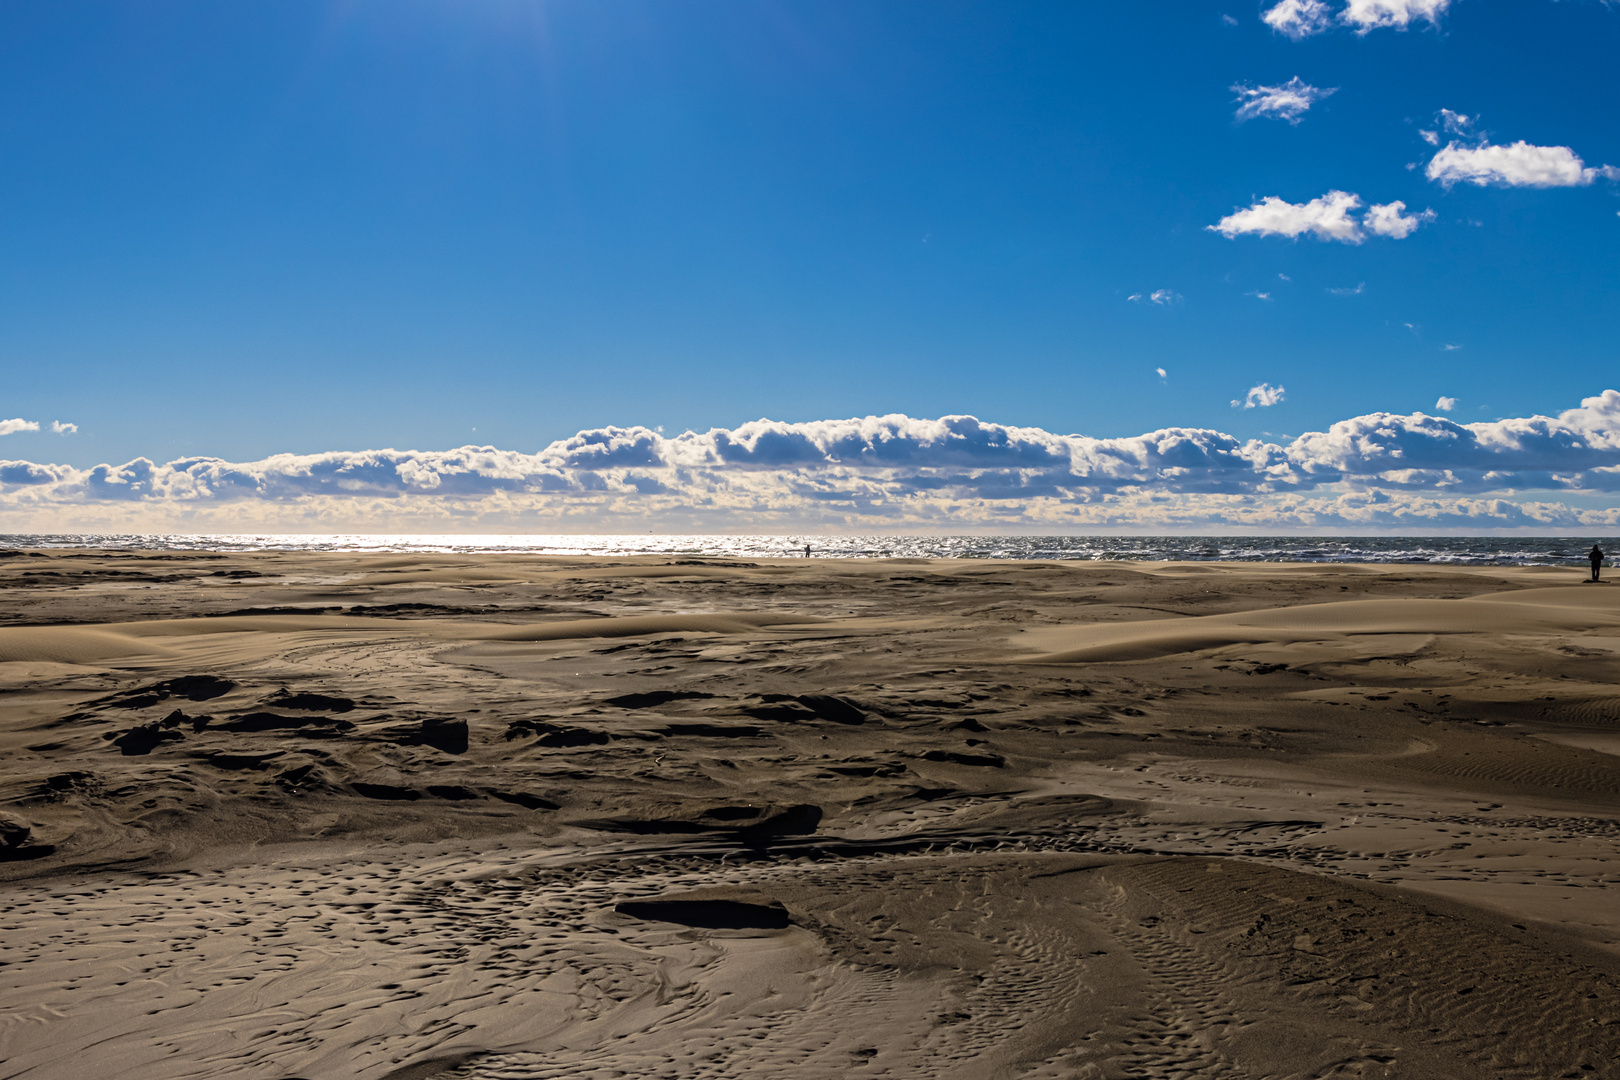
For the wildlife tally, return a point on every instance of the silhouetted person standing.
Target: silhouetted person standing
(1596, 555)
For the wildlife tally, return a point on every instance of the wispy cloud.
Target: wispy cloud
(11, 427)
(1446, 404)
(1258, 295)
(1457, 123)
(1380, 469)
(1328, 217)
(1360, 288)
(1289, 102)
(1260, 397)
(1161, 297)
(1163, 375)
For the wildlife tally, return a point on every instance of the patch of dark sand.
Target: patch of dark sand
(253, 722)
(555, 735)
(308, 702)
(712, 731)
(801, 708)
(654, 698)
(708, 914)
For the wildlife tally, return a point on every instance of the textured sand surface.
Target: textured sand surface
(385, 817)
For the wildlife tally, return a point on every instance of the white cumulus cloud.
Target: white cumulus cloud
(1302, 18)
(1367, 15)
(1260, 397)
(62, 427)
(1326, 217)
(1446, 404)
(1289, 102)
(1519, 164)
(1299, 18)
(1390, 219)
(11, 427)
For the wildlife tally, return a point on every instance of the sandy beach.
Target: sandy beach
(394, 817)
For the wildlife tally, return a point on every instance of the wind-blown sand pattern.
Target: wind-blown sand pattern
(385, 817)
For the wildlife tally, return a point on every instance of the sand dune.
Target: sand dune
(333, 816)
(640, 625)
(1533, 611)
(140, 641)
(70, 645)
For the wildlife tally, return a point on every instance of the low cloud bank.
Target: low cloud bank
(1379, 470)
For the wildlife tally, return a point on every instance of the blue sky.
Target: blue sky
(237, 230)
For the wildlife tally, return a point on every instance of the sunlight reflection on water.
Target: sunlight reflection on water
(1464, 550)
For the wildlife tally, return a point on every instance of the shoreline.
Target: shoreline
(1326, 549)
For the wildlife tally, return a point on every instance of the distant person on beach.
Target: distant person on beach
(807, 551)
(1596, 555)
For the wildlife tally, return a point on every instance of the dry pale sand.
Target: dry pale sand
(330, 816)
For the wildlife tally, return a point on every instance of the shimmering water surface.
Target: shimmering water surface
(1464, 550)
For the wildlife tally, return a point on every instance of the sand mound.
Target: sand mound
(1543, 611)
(618, 626)
(637, 625)
(435, 577)
(258, 624)
(71, 645)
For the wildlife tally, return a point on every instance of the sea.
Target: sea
(1450, 550)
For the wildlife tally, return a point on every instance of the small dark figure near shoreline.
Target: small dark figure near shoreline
(1596, 555)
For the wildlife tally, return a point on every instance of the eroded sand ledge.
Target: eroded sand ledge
(515, 816)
